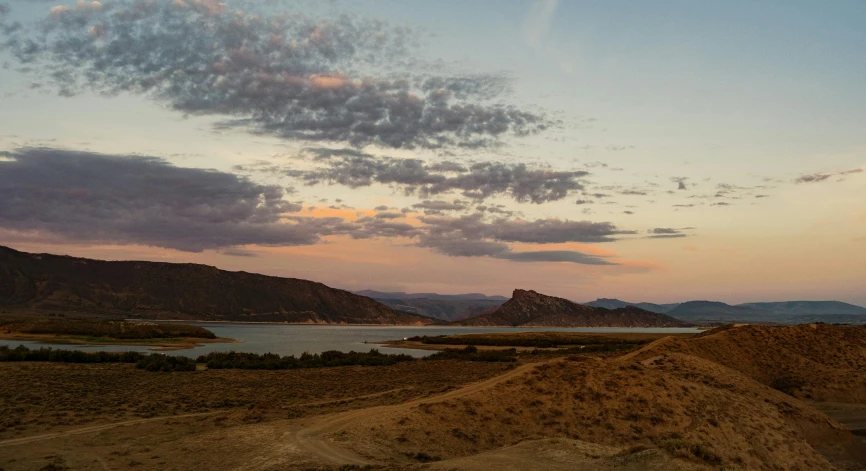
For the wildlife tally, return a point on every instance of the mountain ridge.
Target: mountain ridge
(528, 308)
(434, 296)
(160, 290)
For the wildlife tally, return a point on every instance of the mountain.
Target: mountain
(810, 308)
(152, 290)
(443, 309)
(792, 312)
(787, 312)
(444, 297)
(529, 308)
(609, 303)
(714, 311)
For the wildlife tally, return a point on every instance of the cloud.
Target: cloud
(89, 197)
(537, 22)
(84, 197)
(820, 177)
(343, 79)
(485, 248)
(479, 181)
(540, 231)
(681, 182)
(666, 233)
(438, 206)
(556, 256)
(389, 215)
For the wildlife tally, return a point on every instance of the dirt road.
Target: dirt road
(97, 428)
(313, 440)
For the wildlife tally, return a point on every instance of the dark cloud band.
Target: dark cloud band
(286, 75)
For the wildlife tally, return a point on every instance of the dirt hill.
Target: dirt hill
(153, 290)
(657, 400)
(528, 308)
(818, 362)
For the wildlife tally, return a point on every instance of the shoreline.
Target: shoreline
(157, 344)
(516, 328)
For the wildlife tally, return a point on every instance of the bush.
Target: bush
(272, 361)
(550, 340)
(22, 353)
(471, 353)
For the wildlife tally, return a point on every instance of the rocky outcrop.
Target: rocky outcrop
(528, 308)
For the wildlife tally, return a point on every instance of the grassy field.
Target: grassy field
(44, 397)
(528, 341)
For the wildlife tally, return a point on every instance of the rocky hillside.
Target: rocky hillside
(153, 290)
(531, 309)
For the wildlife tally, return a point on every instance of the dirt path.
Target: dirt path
(313, 440)
(98, 428)
(645, 348)
(102, 427)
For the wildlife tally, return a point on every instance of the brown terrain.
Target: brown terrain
(95, 331)
(531, 309)
(736, 398)
(150, 290)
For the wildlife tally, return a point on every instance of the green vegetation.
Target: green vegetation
(546, 341)
(149, 362)
(22, 353)
(271, 361)
(471, 353)
(98, 328)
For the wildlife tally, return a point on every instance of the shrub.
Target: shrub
(272, 361)
(471, 353)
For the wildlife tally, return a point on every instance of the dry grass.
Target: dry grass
(42, 397)
(692, 408)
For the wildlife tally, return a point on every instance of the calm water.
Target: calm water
(297, 339)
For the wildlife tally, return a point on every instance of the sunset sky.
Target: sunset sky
(648, 151)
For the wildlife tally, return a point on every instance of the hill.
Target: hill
(443, 309)
(667, 400)
(808, 308)
(432, 296)
(818, 362)
(529, 309)
(152, 290)
(714, 311)
(609, 303)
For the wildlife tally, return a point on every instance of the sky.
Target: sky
(643, 150)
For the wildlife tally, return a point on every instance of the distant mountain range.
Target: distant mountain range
(442, 297)
(52, 283)
(532, 309)
(446, 307)
(786, 312)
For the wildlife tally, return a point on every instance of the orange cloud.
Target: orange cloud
(347, 214)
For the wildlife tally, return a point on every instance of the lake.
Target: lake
(286, 339)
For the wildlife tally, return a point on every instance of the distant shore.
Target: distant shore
(157, 344)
